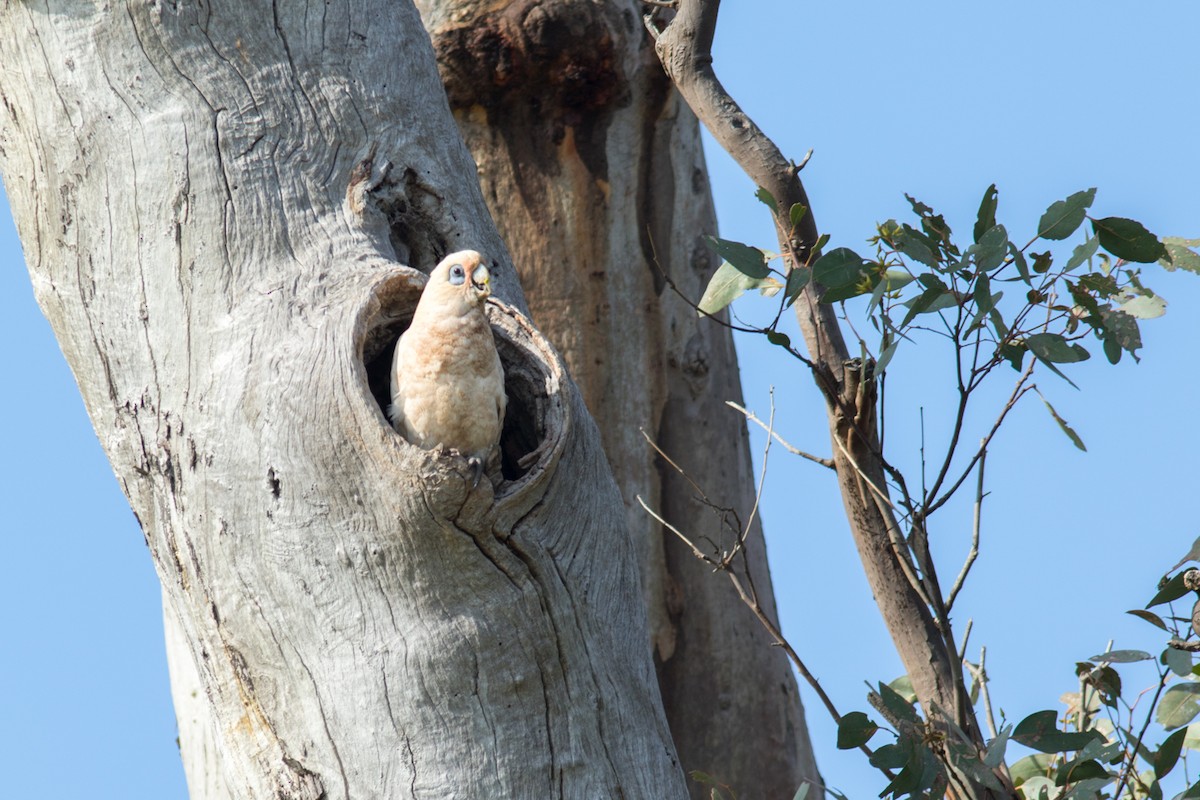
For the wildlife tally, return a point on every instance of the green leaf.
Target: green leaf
(1042, 262)
(1178, 661)
(1064, 217)
(1127, 239)
(903, 687)
(1073, 772)
(990, 250)
(1122, 328)
(1039, 731)
(780, 339)
(994, 756)
(1179, 705)
(985, 219)
(797, 279)
(854, 730)
(1121, 657)
(1082, 253)
(1171, 590)
(767, 199)
(923, 303)
(889, 756)
(1144, 306)
(1014, 354)
(896, 703)
(1112, 350)
(1193, 554)
(796, 213)
(1019, 259)
(1062, 423)
(802, 792)
(1181, 256)
(728, 284)
(1055, 349)
(769, 286)
(748, 260)
(1168, 753)
(915, 245)
(1149, 616)
(885, 358)
(839, 267)
(1037, 765)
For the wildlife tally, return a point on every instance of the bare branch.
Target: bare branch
(696, 551)
(750, 415)
(974, 553)
(1019, 390)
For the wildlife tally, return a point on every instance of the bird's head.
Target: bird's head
(460, 281)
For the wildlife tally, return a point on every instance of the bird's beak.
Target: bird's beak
(481, 279)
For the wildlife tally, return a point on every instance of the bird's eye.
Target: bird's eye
(457, 275)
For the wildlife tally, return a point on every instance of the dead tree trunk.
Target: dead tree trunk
(213, 202)
(593, 170)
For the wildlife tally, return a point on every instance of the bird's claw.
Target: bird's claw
(476, 465)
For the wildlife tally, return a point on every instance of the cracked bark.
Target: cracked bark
(212, 211)
(593, 170)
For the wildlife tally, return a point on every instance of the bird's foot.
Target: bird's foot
(476, 465)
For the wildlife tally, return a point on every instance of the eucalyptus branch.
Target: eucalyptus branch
(750, 415)
(1019, 390)
(974, 552)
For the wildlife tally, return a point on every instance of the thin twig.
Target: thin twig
(696, 551)
(974, 553)
(750, 415)
(762, 479)
(979, 673)
(801, 667)
(1019, 390)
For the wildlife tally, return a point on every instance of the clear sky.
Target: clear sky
(935, 99)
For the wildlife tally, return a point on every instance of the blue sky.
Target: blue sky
(938, 100)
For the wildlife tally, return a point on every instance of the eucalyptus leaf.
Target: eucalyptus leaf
(990, 250)
(1121, 657)
(1149, 616)
(1122, 328)
(854, 730)
(1082, 253)
(1168, 753)
(1144, 306)
(1128, 239)
(767, 199)
(1193, 554)
(796, 213)
(746, 259)
(1055, 349)
(728, 283)
(1067, 429)
(885, 358)
(1173, 589)
(797, 279)
(1064, 217)
(1181, 255)
(1039, 731)
(985, 219)
(1178, 661)
(839, 267)
(1179, 705)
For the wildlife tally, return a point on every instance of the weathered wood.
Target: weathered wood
(594, 172)
(212, 202)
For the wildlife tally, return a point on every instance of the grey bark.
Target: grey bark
(594, 172)
(213, 201)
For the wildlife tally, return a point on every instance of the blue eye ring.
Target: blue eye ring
(458, 275)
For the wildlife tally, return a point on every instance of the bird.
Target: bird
(447, 379)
